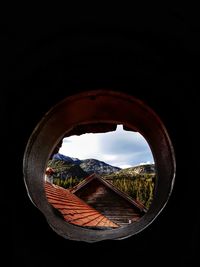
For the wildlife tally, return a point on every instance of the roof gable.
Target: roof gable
(90, 178)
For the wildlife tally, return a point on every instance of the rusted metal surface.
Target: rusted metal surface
(98, 107)
(92, 128)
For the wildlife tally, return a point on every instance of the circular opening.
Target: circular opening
(94, 112)
(101, 180)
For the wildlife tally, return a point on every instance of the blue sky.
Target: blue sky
(118, 148)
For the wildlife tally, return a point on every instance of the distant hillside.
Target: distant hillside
(133, 172)
(66, 174)
(145, 168)
(96, 166)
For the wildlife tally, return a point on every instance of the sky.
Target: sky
(118, 148)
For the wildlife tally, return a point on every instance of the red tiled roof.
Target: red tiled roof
(74, 210)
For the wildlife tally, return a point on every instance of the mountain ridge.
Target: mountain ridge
(91, 165)
(100, 167)
(88, 165)
(139, 170)
(59, 156)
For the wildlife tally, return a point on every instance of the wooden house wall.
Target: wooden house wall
(109, 203)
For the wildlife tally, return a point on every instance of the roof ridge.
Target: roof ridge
(82, 183)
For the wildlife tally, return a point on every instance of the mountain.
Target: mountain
(64, 170)
(88, 165)
(74, 171)
(96, 166)
(140, 170)
(144, 169)
(62, 157)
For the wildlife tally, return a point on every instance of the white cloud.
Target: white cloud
(144, 163)
(118, 148)
(80, 146)
(124, 166)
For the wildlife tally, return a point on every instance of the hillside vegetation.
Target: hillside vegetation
(140, 187)
(66, 174)
(138, 182)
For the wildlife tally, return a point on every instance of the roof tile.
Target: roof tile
(75, 210)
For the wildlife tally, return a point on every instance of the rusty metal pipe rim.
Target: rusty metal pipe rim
(91, 107)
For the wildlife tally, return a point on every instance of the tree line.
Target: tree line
(140, 188)
(66, 183)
